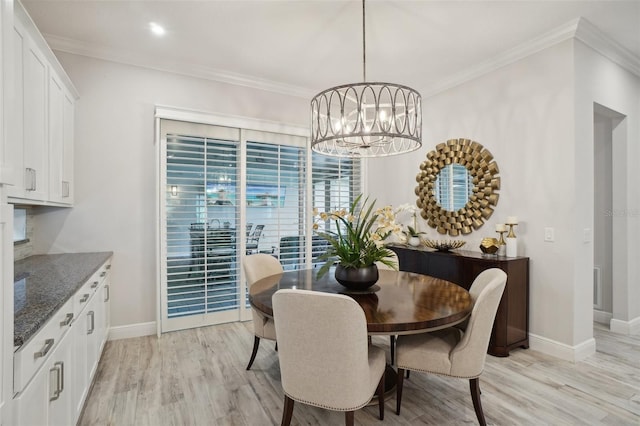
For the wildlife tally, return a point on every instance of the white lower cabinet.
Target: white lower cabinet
(47, 399)
(56, 392)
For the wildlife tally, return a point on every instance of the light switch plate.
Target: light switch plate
(549, 234)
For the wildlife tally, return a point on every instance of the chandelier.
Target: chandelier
(368, 119)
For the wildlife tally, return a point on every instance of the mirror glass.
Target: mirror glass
(453, 187)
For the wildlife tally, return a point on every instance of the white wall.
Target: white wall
(115, 167)
(598, 80)
(536, 117)
(522, 114)
(527, 114)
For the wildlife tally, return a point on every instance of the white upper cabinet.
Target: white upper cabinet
(40, 122)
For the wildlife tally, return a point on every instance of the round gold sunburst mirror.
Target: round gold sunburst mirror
(457, 186)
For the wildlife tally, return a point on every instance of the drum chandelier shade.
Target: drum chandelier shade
(366, 119)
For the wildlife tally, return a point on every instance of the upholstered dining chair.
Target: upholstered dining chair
(325, 358)
(380, 265)
(453, 352)
(256, 267)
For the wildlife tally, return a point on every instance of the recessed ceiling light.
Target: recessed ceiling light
(157, 29)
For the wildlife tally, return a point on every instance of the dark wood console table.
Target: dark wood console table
(511, 326)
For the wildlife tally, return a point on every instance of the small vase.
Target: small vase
(357, 279)
(414, 241)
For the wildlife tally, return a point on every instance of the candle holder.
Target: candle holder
(512, 241)
(501, 243)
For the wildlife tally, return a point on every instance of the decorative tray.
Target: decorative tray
(444, 245)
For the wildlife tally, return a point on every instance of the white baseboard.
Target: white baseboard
(132, 330)
(625, 327)
(602, 317)
(560, 350)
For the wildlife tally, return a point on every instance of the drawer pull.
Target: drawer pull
(108, 266)
(103, 273)
(108, 295)
(84, 298)
(47, 346)
(67, 320)
(95, 284)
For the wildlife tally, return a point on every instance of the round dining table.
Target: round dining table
(399, 303)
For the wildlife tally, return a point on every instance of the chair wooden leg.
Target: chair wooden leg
(474, 385)
(399, 389)
(381, 397)
(408, 371)
(287, 412)
(276, 346)
(392, 342)
(348, 418)
(256, 344)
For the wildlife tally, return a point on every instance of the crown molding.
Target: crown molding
(551, 38)
(607, 47)
(578, 28)
(76, 47)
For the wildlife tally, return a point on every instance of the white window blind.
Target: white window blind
(336, 183)
(275, 200)
(201, 220)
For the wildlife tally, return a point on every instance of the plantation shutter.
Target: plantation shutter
(275, 196)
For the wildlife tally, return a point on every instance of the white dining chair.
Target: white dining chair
(256, 267)
(325, 358)
(454, 352)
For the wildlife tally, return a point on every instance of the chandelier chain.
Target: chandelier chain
(364, 44)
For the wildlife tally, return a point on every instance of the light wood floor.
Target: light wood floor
(198, 377)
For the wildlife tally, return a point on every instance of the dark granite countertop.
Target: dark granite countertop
(43, 283)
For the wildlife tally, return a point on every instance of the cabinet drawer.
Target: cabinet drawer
(34, 353)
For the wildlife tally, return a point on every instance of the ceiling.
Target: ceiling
(304, 46)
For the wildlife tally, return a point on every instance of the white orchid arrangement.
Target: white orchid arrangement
(412, 209)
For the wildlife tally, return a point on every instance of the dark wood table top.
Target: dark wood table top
(402, 303)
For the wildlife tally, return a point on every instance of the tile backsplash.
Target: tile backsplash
(23, 249)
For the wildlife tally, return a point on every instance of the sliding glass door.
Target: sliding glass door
(225, 193)
(200, 264)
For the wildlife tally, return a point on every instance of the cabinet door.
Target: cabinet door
(15, 117)
(60, 386)
(35, 122)
(32, 405)
(46, 400)
(93, 316)
(68, 114)
(56, 138)
(79, 373)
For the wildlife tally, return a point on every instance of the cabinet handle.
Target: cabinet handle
(93, 323)
(95, 284)
(35, 179)
(103, 273)
(65, 189)
(61, 364)
(30, 178)
(108, 296)
(67, 320)
(108, 266)
(56, 391)
(47, 346)
(84, 298)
